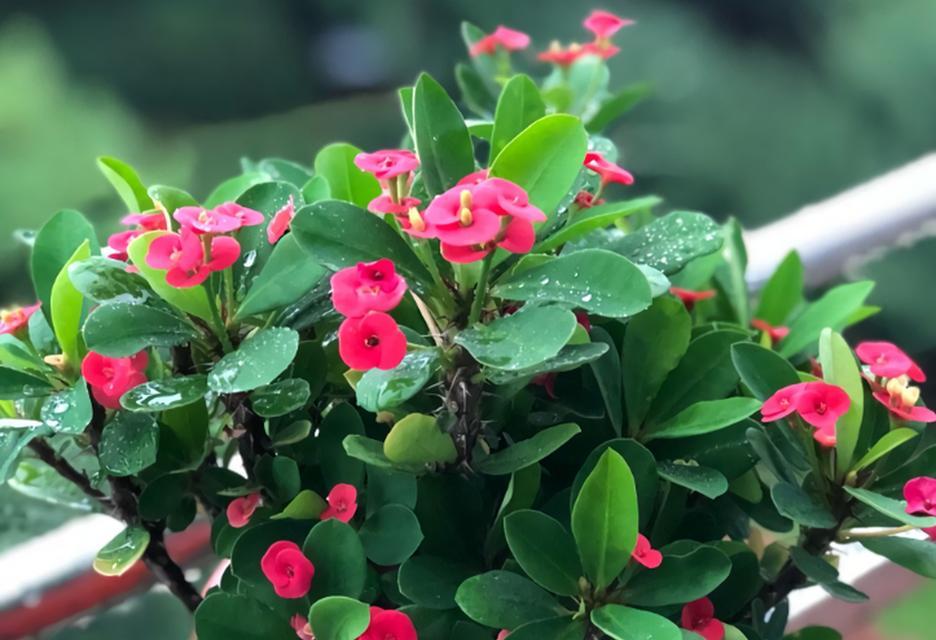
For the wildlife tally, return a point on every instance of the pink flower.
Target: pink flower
(475, 177)
(782, 403)
(12, 320)
(279, 225)
(776, 334)
(389, 624)
(387, 163)
(920, 494)
(699, 617)
(287, 569)
(246, 217)
(201, 220)
(302, 627)
(503, 37)
(646, 554)
(901, 399)
(372, 341)
(887, 360)
(239, 510)
(182, 255)
(689, 297)
(931, 532)
(146, 221)
(560, 56)
(503, 634)
(342, 503)
(385, 204)
(818, 403)
(110, 378)
(608, 171)
(605, 24)
(586, 200)
(118, 243)
(603, 50)
(369, 286)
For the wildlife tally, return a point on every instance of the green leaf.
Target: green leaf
(104, 280)
(643, 467)
(267, 198)
(121, 329)
(616, 106)
(918, 556)
(607, 370)
(371, 452)
(475, 94)
(15, 354)
(379, 390)
(570, 357)
(833, 310)
(129, 444)
(280, 476)
(171, 198)
(762, 370)
(280, 398)
(431, 582)
(55, 244)
(289, 274)
(561, 628)
(15, 385)
(794, 503)
(814, 633)
(391, 535)
(825, 575)
(68, 411)
(545, 551)
(730, 273)
(442, 141)
(37, 480)
(193, 300)
(12, 444)
(67, 306)
(783, 293)
(162, 496)
(604, 519)
(338, 556)
(582, 222)
(226, 615)
(340, 422)
(335, 163)
(545, 159)
(895, 509)
(504, 600)
(417, 440)
(669, 243)
(120, 554)
(683, 577)
(705, 416)
(598, 281)
(317, 188)
(307, 505)
(257, 361)
(526, 452)
(519, 106)
(521, 340)
(253, 543)
(285, 171)
(626, 623)
(654, 343)
(840, 368)
(233, 188)
(704, 480)
(888, 442)
(157, 396)
(339, 235)
(127, 183)
(339, 618)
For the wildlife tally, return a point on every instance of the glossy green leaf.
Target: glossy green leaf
(338, 556)
(15, 354)
(66, 307)
(799, 506)
(126, 182)
(171, 198)
(783, 293)
(391, 535)
(339, 618)
(561, 628)
(598, 217)
(888, 442)
(316, 189)
(545, 551)
(233, 188)
(918, 556)
(762, 370)
(431, 582)
(285, 171)
(55, 243)
(379, 390)
(12, 444)
(68, 411)
(545, 159)
(257, 361)
(570, 357)
(15, 385)
(128, 444)
(279, 475)
(341, 422)
(521, 340)
(833, 310)
(814, 633)
(288, 274)
(643, 467)
(121, 329)
(840, 368)
(442, 141)
(335, 163)
(730, 274)
(519, 106)
(627, 623)
(668, 584)
(504, 600)
(102, 280)
(224, 615)
(604, 519)
(608, 375)
(616, 106)
(895, 509)
(705, 416)
(156, 396)
(193, 300)
(418, 440)
(825, 575)
(120, 554)
(704, 480)
(669, 243)
(526, 452)
(39, 481)
(253, 543)
(280, 398)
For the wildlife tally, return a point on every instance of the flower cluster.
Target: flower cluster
(818, 403)
(603, 25)
(920, 494)
(14, 320)
(501, 38)
(369, 337)
(139, 224)
(394, 169)
(110, 378)
(200, 248)
(889, 371)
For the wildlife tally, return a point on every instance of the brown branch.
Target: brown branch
(64, 468)
(463, 399)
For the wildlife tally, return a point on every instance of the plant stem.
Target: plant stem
(480, 293)
(64, 468)
(845, 536)
(217, 324)
(429, 320)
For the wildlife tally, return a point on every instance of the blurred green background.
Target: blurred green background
(758, 107)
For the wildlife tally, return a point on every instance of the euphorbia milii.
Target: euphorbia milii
(246, 216)
(287, 569)
(389, 624)
(887, 360)
(13, 320)
(110, 378)
(690, 297)
(604, 25)
(502, 37)
(920, 494)
(373, 341)
(901, 398)
(368, 286)
(240, 510)
(301, 626)
(776, 334)
(118, 243)
(387, 163)
(562, 56)
(606, 170)
(182, 255)
(201, 220)
(818, 403)
(342, 503)
(645, 554)
(280, 222)
(699, 617)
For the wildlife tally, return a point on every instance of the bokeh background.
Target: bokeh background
(757, 109)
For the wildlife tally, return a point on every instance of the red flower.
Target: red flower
(342, 503)
(369, 286)
(200, 220)
(504, 37)
(887, 360)
(782, 403)
(110, 378)
(372, 341)
(605, 24)
(645, 554)
(475, 177)
(146, 221)
(601, 49)
(385, 204)
(182, 255)
(586, 200)
(920, 494)
(776, 334)
(246, 217)
(287, 569)
(118, 242)
(563, 57)
(689, 297)
(389, 624)
(387, 163)
(503, 634)
(302, 627)
(608, 171)
(13, 320)
(279, 225)
(699, 617)
(931, 532)
(239, 510)
(901, 398)
(818, 403)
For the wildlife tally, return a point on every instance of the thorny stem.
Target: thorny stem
(64, 468)
(464, 400)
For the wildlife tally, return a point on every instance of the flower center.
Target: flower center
(416, 221)
(204, 216)
(371, 341)
(290, 572)
(464, 213)
(821, 407)
(176, 255)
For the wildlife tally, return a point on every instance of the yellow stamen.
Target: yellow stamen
(910, 396)
(894, 387)
(416, 221)
(465, 199)
(465, 216)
